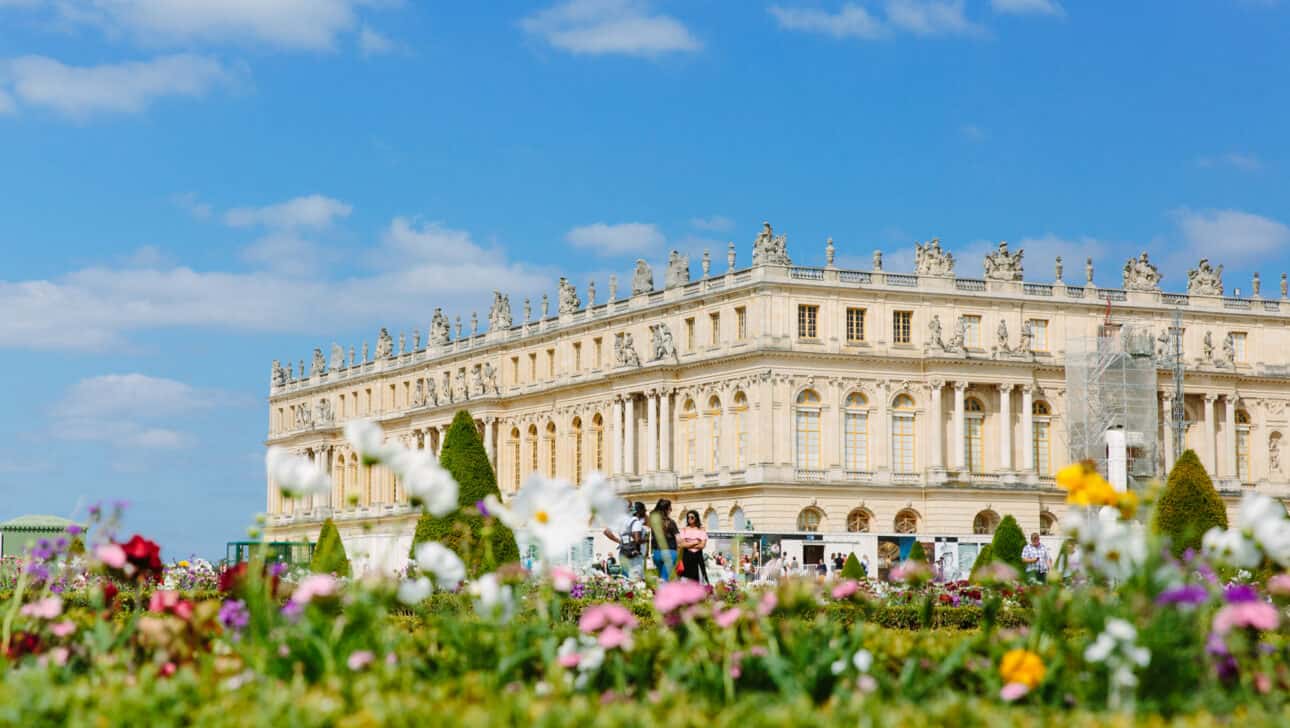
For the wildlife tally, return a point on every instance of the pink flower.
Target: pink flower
(313, 586)
(1279, 585)
(1013, 691)
(360, 660)
(63, 629)
(735, 672)
(600, 616)
(613, 637)
(563, 579)
(111, 554)
(60, 655)
(570, 660)
(168, 601)
(676, 594)
(726, 618)
(1258, 615)
(767, 604)
(846, 589)
(47, 608)
(867, 683)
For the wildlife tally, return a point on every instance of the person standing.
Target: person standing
(664, 532)
(693, 539)
(630, 538)
(1035, 557)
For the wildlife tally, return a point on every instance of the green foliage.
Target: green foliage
(983, 558)
(1189, 506)
(853, 569)
(1008, 542)
(482, 543)
(329, 554)
(917, 553)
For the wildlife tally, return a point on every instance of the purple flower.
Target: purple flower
(1187, 594)
(292, 610)
(277, 568)
(1237, 593)
(482, 508)
(234, 615)
(74, 530)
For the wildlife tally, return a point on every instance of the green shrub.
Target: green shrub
(983, 558)
(917, 553)
(853, 569)
(1008, 542)
(329, 554)
(482, 543)
(1189, 506)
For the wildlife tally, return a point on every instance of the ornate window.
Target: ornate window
(598, 433)
(711, 520)
(1238, 345)
(1243, 446)
(808, 429)
(714, 419)
(1041, 427)
(855, 429)
(516, 465)
(737, 519)
(902, 434)
(688, 427)
(550, 449)
(1047, 523)
(906, 521)
(973, 424)
(855, 325)
(741, 430)
(972, 331)
(577, 450)
(533, 449)
(809, 519)
(807, 317)
(859, 520)
(985, 523)
(1039, 334)
(902, 326)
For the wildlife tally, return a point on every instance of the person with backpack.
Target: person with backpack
(630, 538)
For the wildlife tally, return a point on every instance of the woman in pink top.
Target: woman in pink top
(692, 539)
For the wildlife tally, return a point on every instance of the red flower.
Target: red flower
(232, 580)
(145, 555)
(945, 599)
(23, 643)
(168, 602)
(109, 593)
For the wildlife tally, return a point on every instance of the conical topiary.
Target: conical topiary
(329, 554)
(464, 531)
(917, 553)
(1189, 506)
(853, 569)
(1007, 544)
(983, 558)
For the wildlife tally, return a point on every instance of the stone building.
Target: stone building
(824, 409)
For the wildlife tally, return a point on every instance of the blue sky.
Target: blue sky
(192, 188)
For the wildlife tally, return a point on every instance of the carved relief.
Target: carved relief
(1205, 280)
(625, 351)
(934, 333)
(325, 413)
(930, 260)
(664, 347)
(1004, 266)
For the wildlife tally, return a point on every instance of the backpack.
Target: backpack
(629, 547)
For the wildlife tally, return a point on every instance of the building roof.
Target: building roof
(37, 523)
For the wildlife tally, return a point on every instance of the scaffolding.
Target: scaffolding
(1113, 410)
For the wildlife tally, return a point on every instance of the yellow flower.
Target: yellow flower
(1022, 666)
(183, 564)
(1085, 486)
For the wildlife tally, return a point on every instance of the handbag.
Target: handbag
(680, 566)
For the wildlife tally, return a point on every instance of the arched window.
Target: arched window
(351, 481)
(808, 429)
(598, 435)
(1047, 523)
(855, 428)
(1243, 446)
(737, 520)
(711, 520)
(689, 415)
(516, 465)
(533, 449)
(809, 519)
(577, 450)
(985, 523)
(1274, 453)
(859, 521)
(1041, 427)
(741, 430)
(714, 418)
(550, 449)
(973, 425)
(902, 434)
(906, 521)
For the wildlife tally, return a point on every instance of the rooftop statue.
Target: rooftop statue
(337, 357)
(770, 249)
(1004, 266)
(279, 375)
(569, 301)
(384, 344)
(1205, 279)
(318, 365)
(930, 260)
(440, 331)
(1141, 275)
(643, 278)
(678, 270)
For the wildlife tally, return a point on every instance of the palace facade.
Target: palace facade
(839, 410)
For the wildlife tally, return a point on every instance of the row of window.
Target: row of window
(808, 329)
(860, 520)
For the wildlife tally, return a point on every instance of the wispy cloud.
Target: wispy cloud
(1027, 7)
(129, 410)
(716, 223)
(852, 20)
(1234, 160)
(609, 27)
(620, 239)
(309, 211)
(190, 203)
(121, 88)
(372, 43)
(1241, 237)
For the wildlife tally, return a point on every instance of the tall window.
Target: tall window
(598, 433)
(855, 325)
(859, 521)
(856, 432)
(689, 334)
(533, 367)
(516, 465)
(577, 356)
(550, 449)
(515, 371)
(1238, 344)
(741, 323)
(577, 451)
(738, 521)
(901, 327)
(533, 449)
(1042, 424)
(714, 329)
(714, 418)
(711, 520)
(972, 331)
(550, 363)
(972, 426)
(1243, 446)
(688, 425)
(741, 431)
(807, 318)
(902, 434)
(1038, 335)
(598, 350)
(809, 520)
(808, 429)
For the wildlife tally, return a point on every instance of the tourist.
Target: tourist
(793, 567)
(693, 539)
(663, 530)
(1035, 557)
(630, 538)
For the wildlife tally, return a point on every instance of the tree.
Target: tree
(1007, 544)
(983, 559)
(466, 531)
(1189, 506)
(329, 554)
(853, 569)
(917, 553)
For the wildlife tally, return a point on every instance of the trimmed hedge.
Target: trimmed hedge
(853, 569)
(917, 553)
(983, 559)
(1190, 505)
(1008, 542)
(329, 554)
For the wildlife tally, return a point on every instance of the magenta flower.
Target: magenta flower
(1255, 615)
(47, 608)
(1279, 585)
(1188, 594)
(726, 618)
(601, 616)
(360, 660)
(613, 637)
(676, 594)
(1013, 691)
(1237, 593)
(846, 589)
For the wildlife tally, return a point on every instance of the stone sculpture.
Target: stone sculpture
(678, 270)
(1208, 347)
(278, 374)
(730, 256)
(877, 260)
(499, 316)
(960, 333)
(1205, 279)
(337, 357)
(1229, 350)
(613, 288)
(1004, 266)
(528, 311)
(403, 342)
(439, 330)
(459, 391)
(934, 333)
(432, 392)
(1274, 452)
(770, 249)
(1003, 337)
(625, 351)
(546, 307)
(1028, 335)
(664, 347)
(1141, 275)
(490, 378)
(304, 417)
(828, 252)
(1057, 268)
(384, 344)
(930, 260)
(318, 365)
(325, 413)
(419, 394)
(591, 294)
(1256, 284)
(707, 263)
(569, 301)
(416, 339)
(476, 381)
(643, 278)
(1088, 272)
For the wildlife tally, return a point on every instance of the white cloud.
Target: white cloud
(189, 202)
(121, 88)
(1027, 7)
(620, 239)
(372, 43)
(285, 253)
(915, 17)
(309, 211)
(1235, 160)
(7, 105)
(1239, 237)
(716, 223)
(604, 27)
(121, 410)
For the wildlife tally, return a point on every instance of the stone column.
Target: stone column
(1028, 429)
(629, 436)
(651, 431)
(1211, 459)
(665, 430)
(937, 426)
(616, 437)
(1005, 427)
(881, 447)
(490, 432)
(1168, 403)
(960, 388)
(1228, 463)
